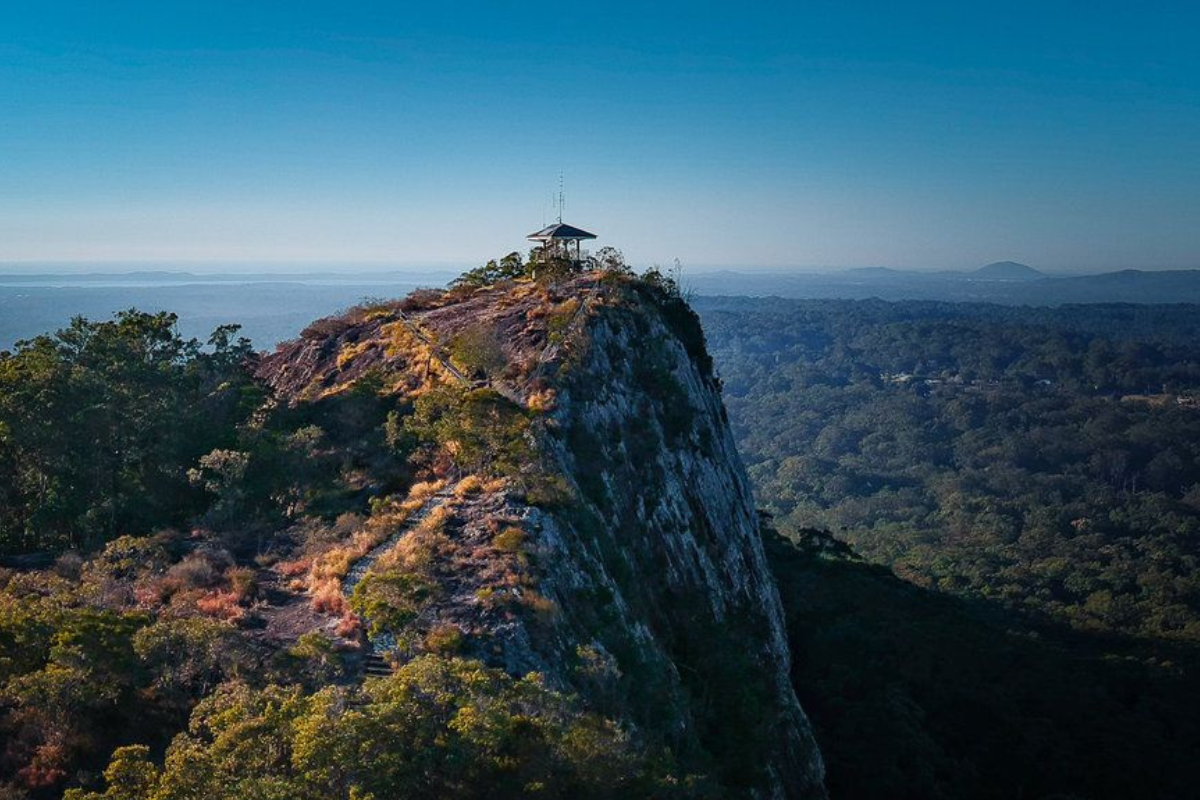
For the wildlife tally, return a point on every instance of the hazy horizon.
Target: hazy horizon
(202, 269)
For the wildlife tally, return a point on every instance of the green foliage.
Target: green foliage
(732, 703)
(391, 599)
(659, 281)
(918, 695)
(508, 268)
(481, 429)
(438, 727)
(99, 423)
(130, 776)
(994, 454)
(548, 269)
(610, 260)
(478, 350)
(188, 657)
(979, 450)
(319, 660)
(78, 678)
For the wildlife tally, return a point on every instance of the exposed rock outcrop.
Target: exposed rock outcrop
(610, 542)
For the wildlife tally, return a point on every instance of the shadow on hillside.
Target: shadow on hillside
(919, 695)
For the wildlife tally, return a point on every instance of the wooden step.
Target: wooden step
(376, 666)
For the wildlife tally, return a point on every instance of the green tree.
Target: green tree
(100, 421)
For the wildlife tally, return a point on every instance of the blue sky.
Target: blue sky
(839, 134)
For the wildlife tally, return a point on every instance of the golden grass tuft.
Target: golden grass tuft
(567, 307)
(421, 492)
(327, 597)
(420, 547)
(324, 579)
(351, 352)
(542, 402)
(472, 484)
(221, 605)
(350, 626)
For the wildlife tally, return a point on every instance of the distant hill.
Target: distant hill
(876, 272)
(1008, 283)
(1007, 271)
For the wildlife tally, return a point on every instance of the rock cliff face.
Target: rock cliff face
(593, 521)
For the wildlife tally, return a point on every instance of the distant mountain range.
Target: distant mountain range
(1005, 282)
(996, 271)
(1007, 271)
(274, 306)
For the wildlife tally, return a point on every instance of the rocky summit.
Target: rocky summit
(579, 511)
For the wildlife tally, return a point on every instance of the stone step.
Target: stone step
(377, 666)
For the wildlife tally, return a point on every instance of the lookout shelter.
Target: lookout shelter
(557, 241)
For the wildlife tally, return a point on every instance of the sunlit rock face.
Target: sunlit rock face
(618, 554)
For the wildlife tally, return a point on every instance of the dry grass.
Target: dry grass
(221, 605)
(243, 583)
(400, 341)
(349, 626)
(421, 492)
(351, 352)
(327, 598)
(566, 308)
(327, 570)
(422, 546)
(472, 484)
(294, 568)
(542, 402)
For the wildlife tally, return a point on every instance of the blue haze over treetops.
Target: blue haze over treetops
(939, 135)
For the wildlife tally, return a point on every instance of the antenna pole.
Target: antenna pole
(560, 197)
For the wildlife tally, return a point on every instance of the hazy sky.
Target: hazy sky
(1065, 135)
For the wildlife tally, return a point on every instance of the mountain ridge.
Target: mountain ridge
(633, 473)
(1007, 271)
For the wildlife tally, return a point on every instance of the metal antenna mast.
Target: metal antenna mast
(560, 197)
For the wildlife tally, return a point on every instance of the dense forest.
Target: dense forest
(150, 493)
(991, 526)
(1048, 459)
(917, 694)
(987, 537)
(315, 573)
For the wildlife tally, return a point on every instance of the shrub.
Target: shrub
(510, 540)
(548, 491)
(326, 328)
(437, 727)
(483, 431)
(444, 639)
(422, 299)
(221, 605)
(316, 653)
(390, 600)
(507, 268)
(195, 571)
(478, 351)
(243, 582)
